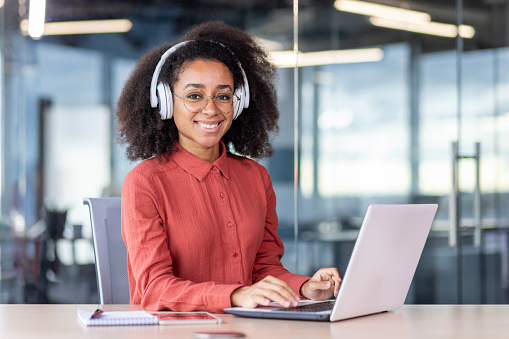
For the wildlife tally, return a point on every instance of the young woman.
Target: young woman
(198, 215)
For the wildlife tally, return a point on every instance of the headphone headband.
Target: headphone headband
(161, 96)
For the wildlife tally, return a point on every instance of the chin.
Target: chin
(209, 143)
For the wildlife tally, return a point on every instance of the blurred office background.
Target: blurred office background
(396, 107)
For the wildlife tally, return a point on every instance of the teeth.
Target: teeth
(207, 125)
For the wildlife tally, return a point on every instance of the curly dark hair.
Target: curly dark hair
(140, 126)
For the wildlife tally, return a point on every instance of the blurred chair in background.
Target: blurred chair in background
(109, 249)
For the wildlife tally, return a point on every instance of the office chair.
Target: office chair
(109, 250)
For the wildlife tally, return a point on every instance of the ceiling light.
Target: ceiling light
(36, 18)
(284, 59)
(432, 28)
(382, 11)
(83, 27)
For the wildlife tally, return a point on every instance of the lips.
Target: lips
(208, 126)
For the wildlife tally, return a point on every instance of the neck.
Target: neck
(209, 154)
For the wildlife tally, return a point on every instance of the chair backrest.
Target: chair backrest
(109, 249)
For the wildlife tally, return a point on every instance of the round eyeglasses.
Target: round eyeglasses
(196, 100)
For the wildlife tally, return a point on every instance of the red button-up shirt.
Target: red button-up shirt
(196, 231)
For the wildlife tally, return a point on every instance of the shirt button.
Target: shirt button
(230, 225)
(222, 195)
(214, 168)
(235, 255)
(238, 282)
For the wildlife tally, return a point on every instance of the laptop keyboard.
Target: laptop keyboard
(315, 307)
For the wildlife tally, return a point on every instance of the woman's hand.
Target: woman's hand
(322, 285)
(263, 292)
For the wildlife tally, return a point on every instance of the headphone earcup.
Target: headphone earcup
(164, 100)
(239, 104)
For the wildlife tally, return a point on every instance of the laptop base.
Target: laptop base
(279, 315)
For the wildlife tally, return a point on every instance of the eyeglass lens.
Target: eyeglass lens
(196, 100)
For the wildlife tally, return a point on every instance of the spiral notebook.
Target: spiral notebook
(117, 318)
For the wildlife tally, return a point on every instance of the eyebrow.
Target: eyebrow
(203, 86)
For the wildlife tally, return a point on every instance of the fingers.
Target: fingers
(259, 299)
(321, 285)
(332, 275)
(262, 293)
(337, 283)
(281, 287)
(278, 291)
(327, 274)
(324, 283)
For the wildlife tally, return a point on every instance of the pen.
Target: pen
(97, 313)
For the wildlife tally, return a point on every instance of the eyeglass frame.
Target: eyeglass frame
(207, 100)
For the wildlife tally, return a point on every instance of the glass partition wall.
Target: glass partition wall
(388, 104)
(422, 121)
(58, 98)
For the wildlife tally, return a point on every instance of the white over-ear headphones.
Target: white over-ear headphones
(162, 97)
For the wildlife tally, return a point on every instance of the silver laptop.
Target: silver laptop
(380, 270)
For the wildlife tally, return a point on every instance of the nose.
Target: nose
(210, 107)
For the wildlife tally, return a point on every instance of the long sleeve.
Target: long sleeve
(150, 259)
(271, 250)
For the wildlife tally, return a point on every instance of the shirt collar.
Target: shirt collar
(200, 168)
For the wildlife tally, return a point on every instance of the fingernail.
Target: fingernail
(295, 303)
(297, 298)
(267, 301)
(287, 303)
(327, 285)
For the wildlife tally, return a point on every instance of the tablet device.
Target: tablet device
(217, 335)
(186, 318)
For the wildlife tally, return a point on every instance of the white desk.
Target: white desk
(411, 321)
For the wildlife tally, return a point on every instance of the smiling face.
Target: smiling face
(200, 133)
